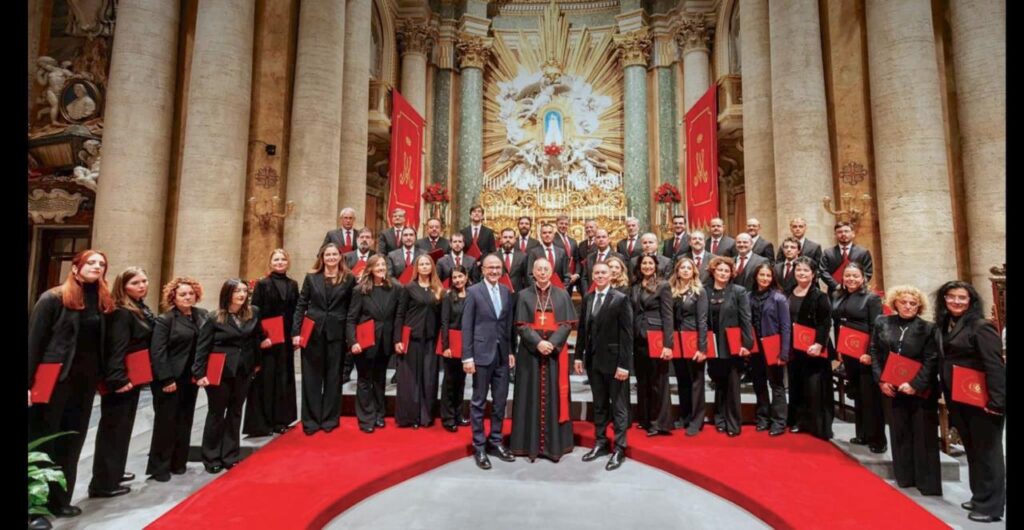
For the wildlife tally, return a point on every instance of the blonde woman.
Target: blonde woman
(690, 313)
(620, 277)
(419, 310)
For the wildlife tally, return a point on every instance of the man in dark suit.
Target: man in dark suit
(457, 257)
(344, 237)
(602, 251)
(798, 228)
(701, 258)
(362, 251)
(390, 238)
(524, 242)
(718, 243)
(404, 256)
(478, 233)
(586, 245)
(605, 346)
(547, 249)
(629, 246)
(834, 260)
(487, 356)
(649, 247)
(433, 241)
(761, 246)
(513, 261)
(679, 243)
(746, 262)
(571, 249)
(785, 267)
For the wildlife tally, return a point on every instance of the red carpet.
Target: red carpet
(794, 481)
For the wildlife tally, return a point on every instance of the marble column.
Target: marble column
(473, 54)
(979, 60)
(758, 155)
(440, 152)
(635, 49)
(415, 38)
(803, 161)
(915, 212)
(131, 195)
(315, 150)
(355, 108)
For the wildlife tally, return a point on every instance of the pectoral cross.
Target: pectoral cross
(543, 318)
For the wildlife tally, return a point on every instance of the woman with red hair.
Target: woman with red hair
(65, 339)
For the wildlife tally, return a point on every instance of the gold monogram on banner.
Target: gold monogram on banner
(553, 127)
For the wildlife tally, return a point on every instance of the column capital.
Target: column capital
(634, 47)
(694, 32)
(416, 36)
(474, 50)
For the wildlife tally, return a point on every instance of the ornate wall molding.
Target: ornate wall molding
(634, 47)
(473, 50)
(56, 204)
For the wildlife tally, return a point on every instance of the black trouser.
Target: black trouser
(642, 369)
(417, 384)
(172, 426)
(117, 417)
(770, 413)
(321, 386)
(811, 400)
(452, 391)
(271, 402)
(913, 423)
(726, 375)
(224, 421)
(867, 412)
(982, 434)
(68, 410)
(493, 377)
(691, 390)
(611, 404)
(347, 365)
(371, 375)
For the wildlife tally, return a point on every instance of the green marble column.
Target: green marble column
(441, 139)
(638, 189)
(668, 131)
(471, 142)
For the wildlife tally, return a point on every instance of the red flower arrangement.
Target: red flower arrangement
(667, 193)
(552, 149)
(436, 193)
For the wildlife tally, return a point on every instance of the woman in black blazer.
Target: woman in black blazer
(619, 276)
(454, 377)
(67, 327)
(810, 372)
(419, 309)
(770, 316)
(970, 341)
(855, 307)
(129, 329)
(652, 310)
(690, 313)
(234, 331)
(326, 293)
(374, 298)
(910, 408)
(173, 350)
(729, 307)
(271, 403)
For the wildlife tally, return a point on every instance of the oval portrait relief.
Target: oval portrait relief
(80, 101)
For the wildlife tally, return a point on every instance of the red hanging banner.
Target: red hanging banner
(406, 163)
(702, 159)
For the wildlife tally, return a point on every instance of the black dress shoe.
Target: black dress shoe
(656, 432)
(969, 506)
(309, 432)
(128, 477)
(451, 427)
(367, 430)
(982, 518)
(281, 429)
(180, 471)
(858, 441)
(794, 428)
(719, 428)
(679, 424)
(776, 432)
(878, 448)
(213, 470)
(643, 426)
(163, 477)
(733, 434)
(463, 422)
(481, 459)
(39, 523)
(616, 460)
(74, 511)
(415, 426)
(502, 453)
(597, 451)
(692, 432)
(229, 465)
(329, 429)
(379, 423)
(120, 490)
(760, 428)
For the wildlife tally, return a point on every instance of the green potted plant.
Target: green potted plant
(42, 471)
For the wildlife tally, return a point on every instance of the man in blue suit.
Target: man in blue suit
(487, 356)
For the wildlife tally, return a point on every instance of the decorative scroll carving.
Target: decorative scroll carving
(473, 50)
(56, 204)
(634, 47)
(694, 32)
(416, 36)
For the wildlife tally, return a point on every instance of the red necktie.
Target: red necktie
(698, 262)
(551, 257)
(846, 252)
(743, 263)
(458, 261)
(362, 258)
(600, 257)
(675, 246)
(433, 244)
(629, 246)
(408, 258)
(508, 261)
(476, 234)
(348, 239)
(789, 269)
(522, 245)
(714, 246)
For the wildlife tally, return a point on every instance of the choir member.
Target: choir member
(419, 309)
(374, 299)
(599, 252)
(810, 370)
(454, 385)
(345, 235)
(804, 246)
(513, 261)
(690, 313)
(571, 248)
(629, 246)
(434, 239)
(759, 245)
(679, 244)
(477, 234)
(361, 253)
(769, 310)
(700, 256)
(718, 243)
(457, 258)
(619, 277)
(833, 261)
(785, 266)
(391, 238)
(729, 307)
(547, 250)
(746, 261)
(271, 403)
(525, 243)
(651, 297)
(649, 247)
(403, 257)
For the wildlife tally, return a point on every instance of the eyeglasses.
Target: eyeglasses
(957, 298)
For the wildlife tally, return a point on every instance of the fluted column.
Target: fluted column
(635, 49)
(415, 38)
(758, 155)
(473, 51)
(979, 60)
(355, 108)
(915, 212)
(131, 195)
(803, 161)
(694, 38)
(315, 150)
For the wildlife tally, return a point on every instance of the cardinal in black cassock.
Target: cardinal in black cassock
(540, 408)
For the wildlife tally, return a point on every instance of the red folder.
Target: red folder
(656, 341)
(803, 337)
(447, 283)
(273, 328)
(504, 280)
(899, 369)
(772, 348)
(473, 250)
(406, 333)
(215, 367)
(357, 269)
(557, 282)
(45, 380)
(436, 254)
(734, 337)
(454, 344)
(689, 344)
(969, 386)
(307, 330)
(365, 335)
(140, 372)
(852, 343)
(407, 274)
